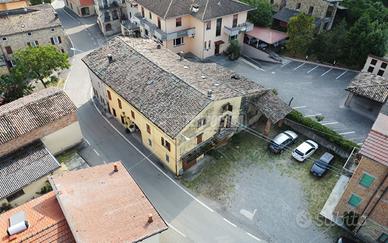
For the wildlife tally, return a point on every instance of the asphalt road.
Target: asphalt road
(190, 219)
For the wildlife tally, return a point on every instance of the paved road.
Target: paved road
(189, 218)
(316, 89)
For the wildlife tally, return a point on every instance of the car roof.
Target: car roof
(326, 157)
(305, 146)
(280, 138)
(291, 133)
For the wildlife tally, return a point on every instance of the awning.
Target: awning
(219, 42)
(267, 35)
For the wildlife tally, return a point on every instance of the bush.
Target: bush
(233, 50)
(325, 132)
(46, 188)
(319, 118)
(5, 207)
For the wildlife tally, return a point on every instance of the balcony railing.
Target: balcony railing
(245, 27)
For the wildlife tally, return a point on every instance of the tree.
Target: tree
(40, 63)
(300, 32)
(262, 15)
(233, 50)
(13, 86)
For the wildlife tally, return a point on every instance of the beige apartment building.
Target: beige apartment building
(31, 26)
(203, 28)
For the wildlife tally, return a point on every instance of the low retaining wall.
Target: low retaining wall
(313, 136)
(255, 53)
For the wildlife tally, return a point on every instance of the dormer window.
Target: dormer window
(227, 107)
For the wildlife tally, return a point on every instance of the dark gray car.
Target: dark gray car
(321, 165)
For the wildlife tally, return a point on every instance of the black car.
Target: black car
(281, 141)
(321, 165)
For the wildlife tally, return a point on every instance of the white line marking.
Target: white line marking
(326, 72)
(312, 69)
(318, 114)
(251, 64)
(299, 107)
(87, 141)
(344, 133)
(230, 222)
(286, 63)
(96, 152)
(299, 66)
(104, 161)
(359, 143)
(152, 163)
(178, 231)
(328, 123)
(254, 237)
(341, 74)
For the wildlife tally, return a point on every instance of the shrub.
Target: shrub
(233, 50)
(5, 207)
(325, 132)
(319, 118)
(46, 188)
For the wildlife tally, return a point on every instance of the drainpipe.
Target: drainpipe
(203, 50)
(176, 158)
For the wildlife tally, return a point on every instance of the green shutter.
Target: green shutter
(366, 180)
(354, 200)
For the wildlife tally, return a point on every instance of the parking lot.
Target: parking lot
(315, 90)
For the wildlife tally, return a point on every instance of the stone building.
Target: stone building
(110, 13)
(83, 8)
(32, 130)
(376, 65)
(177, 108)
(30, 26)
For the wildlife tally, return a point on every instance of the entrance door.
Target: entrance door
(217, 49)
(199, 138)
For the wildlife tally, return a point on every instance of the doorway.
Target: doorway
(217, 49)
(199, 138)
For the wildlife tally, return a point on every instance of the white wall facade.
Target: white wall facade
(63, 139)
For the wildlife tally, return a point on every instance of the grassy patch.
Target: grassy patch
(67, 156)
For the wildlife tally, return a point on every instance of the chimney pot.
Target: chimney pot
(150, 219)
(110, 58)
(209, 93)
(115, 168)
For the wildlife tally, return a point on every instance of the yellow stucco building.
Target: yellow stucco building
(180, 109)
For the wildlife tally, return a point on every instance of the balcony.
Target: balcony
(158, 33)
(232, 31)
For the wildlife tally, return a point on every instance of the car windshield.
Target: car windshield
(321, 164)
(312, 145)
(298, 152)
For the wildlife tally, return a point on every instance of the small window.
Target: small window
(133, 114)
(383, 238)
(122, 119)
(52, 29)
(148, 128)
(150, 142)
(227, 107)
(311, 10)
(178, 22)
(209, 44)
(56, 40)
(178, 41)
(208, 25)
(8, 49)
(109, 95)
(354, 200)
(235, 20)
(29, 33)
(383, 65)
(366, 180)
(167, 158)
(201, 122)
(142, 12)
(4, 38)
(159, 23)
(380, 73)
(165, 143)
(119, 103)
(204, 45)
(114, 112)
(298, 5)
(150, 15)
(15, 195)
(373, 61)
(370, 69)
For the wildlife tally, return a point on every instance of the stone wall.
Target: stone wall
(320, 6)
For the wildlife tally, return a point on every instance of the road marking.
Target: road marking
(328, 123)
(254, 237)
(230, 222)
(344, 133)
(359, 143)
(326, 72)
(299, 107)
(341, 74)
(175, 229)
(299, 66)
(96, 152)
(87, 141)
(312, 69)
(251, 64)
(318, 114)
(151, 162)
(286, 63)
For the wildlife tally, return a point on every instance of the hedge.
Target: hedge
(327, 133)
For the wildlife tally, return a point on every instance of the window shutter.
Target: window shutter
(52, 40)
(59, 40)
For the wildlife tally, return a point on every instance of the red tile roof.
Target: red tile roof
(101, 205)
(267, 35)
(45, 218)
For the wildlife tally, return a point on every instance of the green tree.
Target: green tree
(300, 32)
(373, 8)
(233, 50)
(13, 86)
(40, 63)
(262, 15)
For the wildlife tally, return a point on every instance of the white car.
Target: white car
(304, 150)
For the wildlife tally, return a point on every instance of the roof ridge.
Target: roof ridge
(168, 9)
(204, 11)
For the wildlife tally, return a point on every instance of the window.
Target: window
(114, 112)
(150, 15)
(311, 10)
(56, 40)
(109, 95)
(52, 29)
(208, 25)
(15, 195)
(218, 26)
(148, 128)
(383, 65)
(199, 138)
(209, 44)
(227, 107)
(167, 158)
(366, 180)
(178, 41)
(380, 73)
(133, 114)
(201, 122)
(204, 45)
(298, 5)
(235, 20)
(233, 37)
(142, 12)
(4, 38)
(119, 103)
(122, 119)
(370, 69)
(354, 200)
(8, 49)
(165, 143)
(159, 23)
(145, 32)
(383, 238)
(373, 61)
(178, 22)
(33, 43)
(150, 142)
(29, 33)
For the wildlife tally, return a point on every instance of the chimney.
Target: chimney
(158, 46)
(115, 168)
(150, 219)
(180, 55)
(55, 14)
(210, 93)
(110, 58)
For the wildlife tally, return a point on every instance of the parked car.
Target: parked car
(343, 239)
(304, 150)
(281, 141)
(321, 165)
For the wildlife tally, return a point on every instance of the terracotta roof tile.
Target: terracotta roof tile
(370, 85)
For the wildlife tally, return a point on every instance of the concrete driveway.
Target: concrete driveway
(315, 89)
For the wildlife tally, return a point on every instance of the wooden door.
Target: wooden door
(199, 138)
